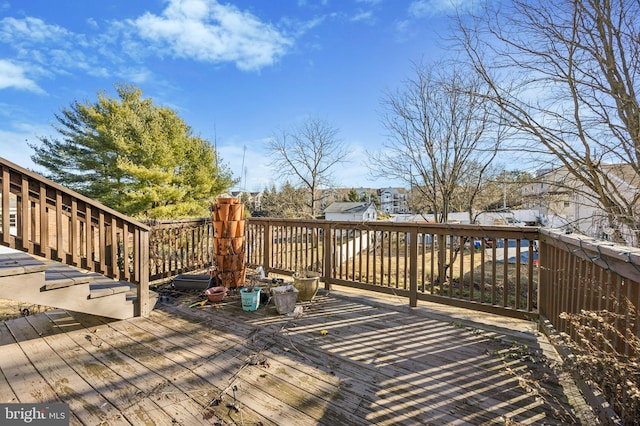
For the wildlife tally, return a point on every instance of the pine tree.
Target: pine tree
(133, 156)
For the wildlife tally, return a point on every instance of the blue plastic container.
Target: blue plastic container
(250, 297)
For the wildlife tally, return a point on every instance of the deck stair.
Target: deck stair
(32, 280)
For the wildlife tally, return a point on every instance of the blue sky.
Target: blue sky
(235, 71)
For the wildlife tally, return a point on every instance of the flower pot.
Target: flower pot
(221, 212)
(229, 262)
(229, 245)
(236, 211)
(231, 229)
(307, 287)
(238, 231)
(218, 228)
(285, 297)
(233, 279)
(216, 294)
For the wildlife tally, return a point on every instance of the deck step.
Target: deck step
(44, 282)
(18, 263)
(102, 289)
(59, 276)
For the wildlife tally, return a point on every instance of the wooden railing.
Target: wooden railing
(45, 219)
(461, 265)
(590, 290)
(180, 246)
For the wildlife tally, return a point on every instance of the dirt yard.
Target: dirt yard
(10, 309)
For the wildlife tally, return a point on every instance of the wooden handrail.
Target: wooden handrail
(583, 277)
(407, 259)
(45, 219)
(179, 246)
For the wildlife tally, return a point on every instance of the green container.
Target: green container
(250, 297)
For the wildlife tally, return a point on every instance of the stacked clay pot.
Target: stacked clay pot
(228, 241)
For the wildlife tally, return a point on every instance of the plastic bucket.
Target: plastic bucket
(250, 297)
(285, 297)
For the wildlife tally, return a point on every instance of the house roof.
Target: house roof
(620, 174)
(347, 207)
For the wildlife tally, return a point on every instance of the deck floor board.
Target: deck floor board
(85, 401)
(344, 361)
(102, 379)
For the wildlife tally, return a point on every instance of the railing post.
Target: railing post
(23, 214)
(142, 271)
(266, 249)
(413, 267)
(543, 279)
(6, 189)
(327, 267)
(442, 260)
(43, 238)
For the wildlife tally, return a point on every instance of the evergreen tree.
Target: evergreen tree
(353, 196)
(371, 197)
(288, 203)
(133, 156)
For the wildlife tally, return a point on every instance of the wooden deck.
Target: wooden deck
(378, 363)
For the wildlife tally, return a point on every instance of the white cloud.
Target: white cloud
(13, 76)
(200, 30)
(427, 8)
(137, 75)
(29, 31)
(49, 49)
(365, 16)
(92, 23)
(211, 32)
(371, 2)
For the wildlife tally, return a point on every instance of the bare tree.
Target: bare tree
(308, 154)
(565, 74)
(440, 134)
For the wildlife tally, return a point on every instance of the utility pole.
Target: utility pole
(244, 171)
(504, 194)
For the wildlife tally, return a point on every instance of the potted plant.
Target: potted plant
(307, 283)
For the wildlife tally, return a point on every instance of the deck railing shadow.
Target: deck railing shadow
(397, 367)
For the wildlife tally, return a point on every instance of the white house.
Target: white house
(393, 200)
(565, 203)
(350, 211)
